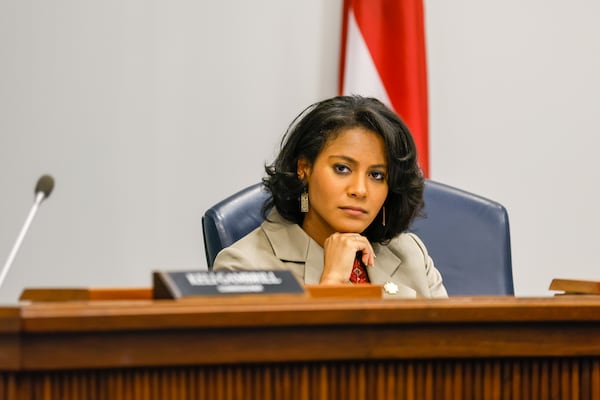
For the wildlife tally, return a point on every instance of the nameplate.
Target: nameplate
(180, 284)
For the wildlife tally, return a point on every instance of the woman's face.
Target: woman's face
(347, 184)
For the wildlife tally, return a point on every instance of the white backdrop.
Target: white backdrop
(148, 112)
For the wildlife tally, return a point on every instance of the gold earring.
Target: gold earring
(383, 216)
(304, 201)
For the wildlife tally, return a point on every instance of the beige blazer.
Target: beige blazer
(280, 244)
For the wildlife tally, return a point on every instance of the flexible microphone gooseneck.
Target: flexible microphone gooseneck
(43, 188)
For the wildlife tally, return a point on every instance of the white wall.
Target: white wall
(515, 101)
(148, 112)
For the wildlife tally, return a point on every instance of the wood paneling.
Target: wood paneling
(302, 348)
(498, 379)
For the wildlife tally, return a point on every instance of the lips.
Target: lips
(354, 210)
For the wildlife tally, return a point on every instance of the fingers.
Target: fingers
(339, 253)
(355, 242)
(363, 245)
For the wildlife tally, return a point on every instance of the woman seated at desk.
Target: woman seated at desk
(343, 191)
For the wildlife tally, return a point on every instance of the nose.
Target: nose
(358, 186)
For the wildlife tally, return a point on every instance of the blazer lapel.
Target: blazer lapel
(291, 244)
(387, 272)
(313, 267)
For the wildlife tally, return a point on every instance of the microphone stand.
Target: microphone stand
(39, 196)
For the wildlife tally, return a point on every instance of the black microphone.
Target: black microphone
(43, 188)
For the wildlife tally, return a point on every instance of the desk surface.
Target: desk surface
(481, 347)
(322, 328)
(290, 310)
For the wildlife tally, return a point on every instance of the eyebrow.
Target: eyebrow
(353, 161)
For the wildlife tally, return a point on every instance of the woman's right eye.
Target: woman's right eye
(341, 169)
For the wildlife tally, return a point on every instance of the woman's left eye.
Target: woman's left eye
(378, 175)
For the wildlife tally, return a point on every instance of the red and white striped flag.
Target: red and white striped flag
(383, 56)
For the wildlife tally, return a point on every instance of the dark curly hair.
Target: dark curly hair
(323, 121)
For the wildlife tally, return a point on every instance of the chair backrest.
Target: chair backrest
(231, 219)
(467, 236)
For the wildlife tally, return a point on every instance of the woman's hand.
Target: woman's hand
(339, 253)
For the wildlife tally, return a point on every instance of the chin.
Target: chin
(352, 228)
(351, 225)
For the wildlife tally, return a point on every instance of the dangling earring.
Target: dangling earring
(304, 201)
(383, 216)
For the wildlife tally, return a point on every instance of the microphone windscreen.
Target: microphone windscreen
(45, 185)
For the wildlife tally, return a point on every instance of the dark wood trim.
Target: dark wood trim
(470, 347)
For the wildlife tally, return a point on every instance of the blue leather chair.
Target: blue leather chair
(467, 236)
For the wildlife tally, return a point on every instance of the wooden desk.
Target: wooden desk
(298, 347)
